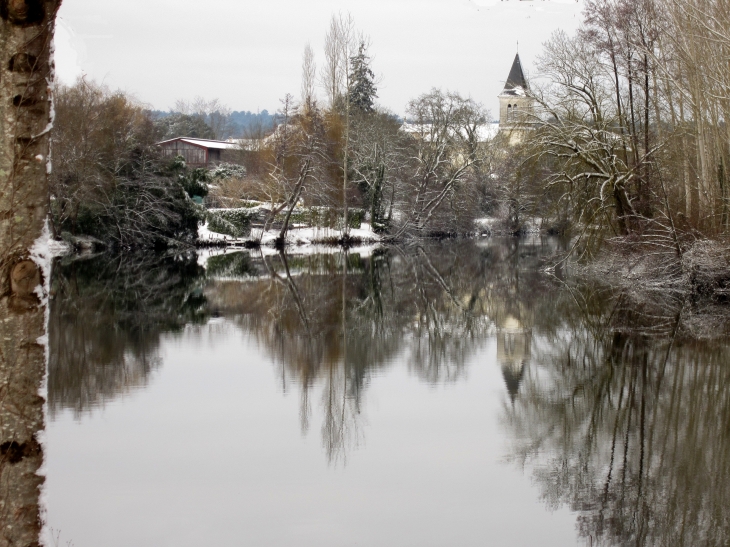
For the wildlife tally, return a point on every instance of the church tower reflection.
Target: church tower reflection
(513, 352)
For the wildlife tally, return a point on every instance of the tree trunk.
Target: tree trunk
(345, 226)
(303, 175)
(26, 32)
(686, 168)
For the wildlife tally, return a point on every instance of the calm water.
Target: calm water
(447, 394)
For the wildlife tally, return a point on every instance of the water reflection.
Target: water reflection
(107, 315)
(614, 404)
(625, 420)
(337, 318)
(514, 340)
(341, 318)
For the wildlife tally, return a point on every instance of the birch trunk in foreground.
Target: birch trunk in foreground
(26, 33)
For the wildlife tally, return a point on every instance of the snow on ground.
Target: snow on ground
(485, 225)
(44, 250)
(490, 225)
(304, 235)
(207, 236)
(297, 235)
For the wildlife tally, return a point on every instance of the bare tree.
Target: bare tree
(379, 158)
(699, 43)
(578, 132)
(297, 149)
(445, 130)
(309, 75)
(633, 122)
(214, 113)
(340, 45)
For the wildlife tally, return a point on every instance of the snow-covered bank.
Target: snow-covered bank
(296, 236)
(303, 235)
(496, 226)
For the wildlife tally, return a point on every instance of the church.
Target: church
(515, 105)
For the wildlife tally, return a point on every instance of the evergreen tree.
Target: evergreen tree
(184, 125)
(362, 92)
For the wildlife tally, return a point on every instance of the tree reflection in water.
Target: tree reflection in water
(624, 417)
(327, 319)
(340, 318)
(615, 403)
(107, 314)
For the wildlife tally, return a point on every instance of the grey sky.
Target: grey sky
(248, 53)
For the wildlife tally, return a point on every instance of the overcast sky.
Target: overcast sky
(247, 53)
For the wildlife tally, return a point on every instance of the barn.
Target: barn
(197, 152)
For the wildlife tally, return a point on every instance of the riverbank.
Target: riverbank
(692, 283)
(295, 236)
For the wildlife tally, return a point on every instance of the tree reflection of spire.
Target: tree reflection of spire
(513, 353)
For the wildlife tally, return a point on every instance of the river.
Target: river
(456, 393)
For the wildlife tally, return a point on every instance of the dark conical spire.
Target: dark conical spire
(513, 379)
(516, 78)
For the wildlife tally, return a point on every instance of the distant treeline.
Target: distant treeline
(241, 123)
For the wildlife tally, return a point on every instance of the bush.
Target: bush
(232, 222)
(355, 217)
(146, 212)
(707, 265)
(225, 171)
(195, 182)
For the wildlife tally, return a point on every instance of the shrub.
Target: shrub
(232, 222)
(195, 182)
(225, 171)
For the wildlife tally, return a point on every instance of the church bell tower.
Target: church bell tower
(515, 104)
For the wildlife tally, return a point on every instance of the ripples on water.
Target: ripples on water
(448, 393)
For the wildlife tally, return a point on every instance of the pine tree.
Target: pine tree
(362, 92)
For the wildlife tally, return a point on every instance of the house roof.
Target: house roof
(203, 143)
(516, 83)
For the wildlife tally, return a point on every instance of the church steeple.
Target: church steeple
(516, 81)
(515, 103)
(514, 341)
